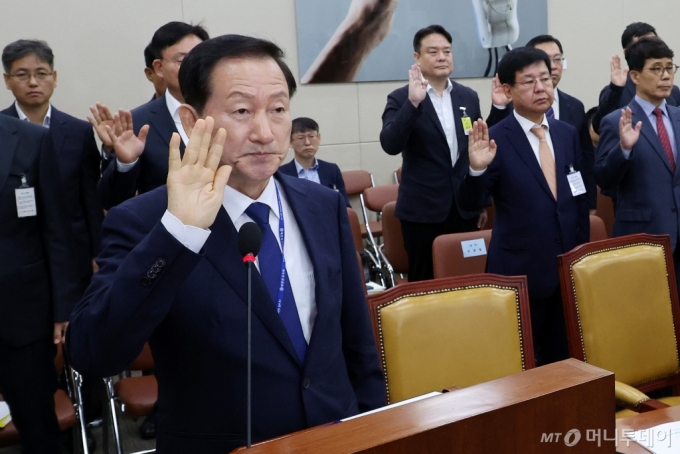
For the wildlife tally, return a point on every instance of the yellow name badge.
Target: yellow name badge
(467, 125)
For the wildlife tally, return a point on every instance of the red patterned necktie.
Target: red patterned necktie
(663, 136)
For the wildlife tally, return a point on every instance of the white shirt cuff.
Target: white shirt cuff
(193, 238)
(500, 107)
(123, 167)
(626, 153)
(476, 173)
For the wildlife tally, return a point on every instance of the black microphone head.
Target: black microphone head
(249, 239)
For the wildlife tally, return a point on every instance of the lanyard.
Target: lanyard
(279, 298)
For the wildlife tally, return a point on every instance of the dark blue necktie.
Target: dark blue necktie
(550, 113)
(269, 260)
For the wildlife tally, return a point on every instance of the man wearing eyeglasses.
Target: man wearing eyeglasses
(530, 164)
(305, 139)
(140, 138)
(564, 108)
(638, 150)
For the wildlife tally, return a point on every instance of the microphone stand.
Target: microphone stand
(249, 259)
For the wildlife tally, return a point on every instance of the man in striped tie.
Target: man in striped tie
(638, 147)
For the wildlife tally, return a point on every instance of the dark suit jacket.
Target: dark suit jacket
(193, 313)
(613, 97)
(648, 192)
(531, 228)
(429, 182)
(329, 176)
(78, 159)
(37, 280)
(572, 112)
(151, 170)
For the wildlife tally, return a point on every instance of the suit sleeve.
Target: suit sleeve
(496, 115)
(123, 306)
(56, 233)
(116, 187)
(398, 119)
(340, 185)
(610, 100)
(610, 163)
(89, 170)
(358, 343)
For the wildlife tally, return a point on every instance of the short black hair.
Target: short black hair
(642, 50)
(23, 47)
(304, 124)
(427, 31)
(172, 33)
(196, 70)
(635, 30)
(518, 59)
(150, 55)
(543, 39)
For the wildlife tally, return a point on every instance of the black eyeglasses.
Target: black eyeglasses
(659, 70)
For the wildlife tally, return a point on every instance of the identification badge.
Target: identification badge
(473, 248)
(467, 122)
(576, 182)
(25, 198)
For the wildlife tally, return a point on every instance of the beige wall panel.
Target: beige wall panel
(372, 100)
(379, 163)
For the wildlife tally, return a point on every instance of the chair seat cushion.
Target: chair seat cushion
(138, 394)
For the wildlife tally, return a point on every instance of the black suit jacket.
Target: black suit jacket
(572, 112)
(151, 170)
(613, 97)
(37, 280)
(78, 159)
(329, 176)
(429, 182)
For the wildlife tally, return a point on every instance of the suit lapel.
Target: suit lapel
(518, 139)
(428, 107)
(57, 130)
(461, 138)
(648, 133)
(675, 121)
(558, 139)
(8, 146)
(565, 107)
(161, 120)
(221, 250)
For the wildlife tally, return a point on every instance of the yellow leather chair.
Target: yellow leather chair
(457, 331)
(621, 310)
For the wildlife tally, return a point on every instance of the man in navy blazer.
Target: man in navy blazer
(524, 162)
(172, 274)
(305, 139)
(425, 122)
(150, 126)
(39, 286)
(564, 108)
(621, 90)
(637, 153)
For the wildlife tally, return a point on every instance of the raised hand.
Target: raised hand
(628, 134)
(619, 76)
(417, 87)
(101, 117)
(127, 145)
(498, 97)
(196, 182)
(480, 149)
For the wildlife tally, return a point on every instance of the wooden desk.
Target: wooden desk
(508, 415)
(644, 421)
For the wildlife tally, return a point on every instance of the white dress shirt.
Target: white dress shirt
(444, 108)
(298, 264)
(23, 117)
(556, 105)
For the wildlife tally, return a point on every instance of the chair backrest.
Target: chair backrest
(621, 308)
(393, 241)
(376, 197)
(356, 181)
(356, 229)
(598, 231)
(457, 331)
(144, 361)
(605, 210)
(447, 254)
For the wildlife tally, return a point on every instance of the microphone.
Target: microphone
(249, 243)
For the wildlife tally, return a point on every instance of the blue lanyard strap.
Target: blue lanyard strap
(282, 235)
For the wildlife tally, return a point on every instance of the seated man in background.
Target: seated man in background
(172, 273)
(305, 139)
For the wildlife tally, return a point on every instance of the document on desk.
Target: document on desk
(661, 439)
(398, 404)
(5, 417)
